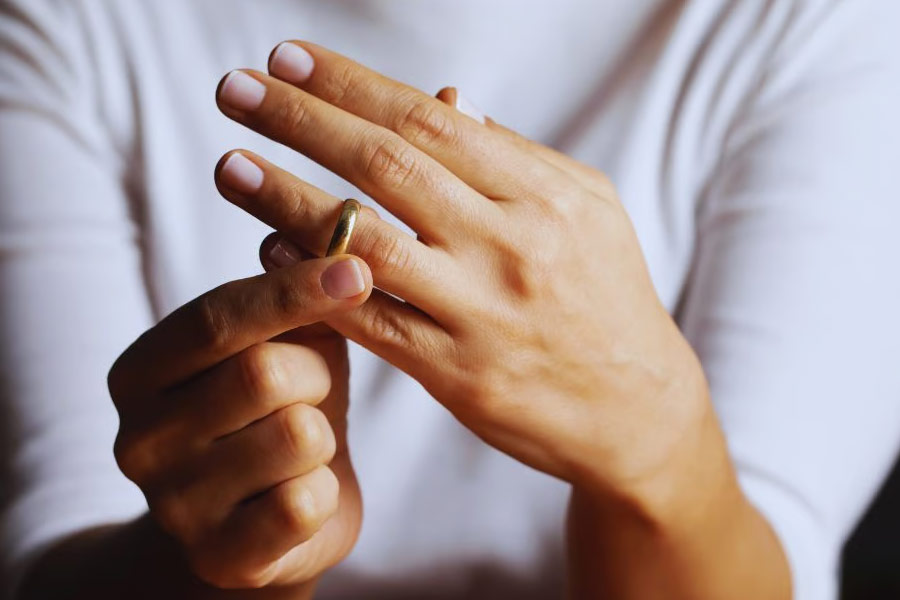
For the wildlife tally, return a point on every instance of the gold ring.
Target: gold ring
(340, 239)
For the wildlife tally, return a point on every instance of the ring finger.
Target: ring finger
(400, 264)
(259, 533)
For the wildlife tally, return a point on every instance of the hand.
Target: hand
(237, 440)
(529, 312)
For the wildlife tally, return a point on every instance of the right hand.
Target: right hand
(238, 441)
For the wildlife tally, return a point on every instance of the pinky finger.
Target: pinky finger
(399, 333)
(246, 551)
(583, 174)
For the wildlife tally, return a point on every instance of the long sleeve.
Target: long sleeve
(73, 294)
(793, 299)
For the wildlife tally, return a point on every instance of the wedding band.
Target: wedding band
(340, 239)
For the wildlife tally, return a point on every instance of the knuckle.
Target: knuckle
(527, 273)
(552, 212)
(316, 374)
(261, 374)
(340, 83)
(210, 569)
(292, 296)
(390, 162)
(526, 279)
(117, 383)
(385, 252)
(292, 114)
(135, 457)
(297, 510)
(426, 122)
(212, 319)
(570, 208)
(125, 376)
(480, 390)
(304, 433)
(303, 372)
(369, 213)
(387, 328)
(173, 515)
(557, 214)
(297, 201)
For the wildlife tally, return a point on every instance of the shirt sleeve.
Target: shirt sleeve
(72, 295)
(792, 304)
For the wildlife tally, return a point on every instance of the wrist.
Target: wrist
(673, 478)
(687, 533)
(667, 518)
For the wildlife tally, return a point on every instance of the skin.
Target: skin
(233, 424)
(523, 305)
(557, 353)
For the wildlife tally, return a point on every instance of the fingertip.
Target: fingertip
(291, 62)
(221, 162)
(347, 278)
(447, 95)
(452, 97)
(265, 249)
(366, 273)
(220, 85)
(240, 91)
(277, 251)
(240, 174)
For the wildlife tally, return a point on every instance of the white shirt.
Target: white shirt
(755, 145)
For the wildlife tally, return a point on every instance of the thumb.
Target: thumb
(276, 252)
(341, 277)
(239, 314)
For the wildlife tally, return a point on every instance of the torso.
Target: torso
(613, 83)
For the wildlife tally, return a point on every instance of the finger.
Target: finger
(259, 533)
(487, 162)
(397, 331)
(186, 420)
(589, 177)
(410, 184)
(286, 444)
(401, 334)
(400, 264)
(233, 317)
(250, 385)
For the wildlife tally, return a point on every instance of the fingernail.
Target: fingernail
(291, 63)
(467, 108)
(242, 92)
(343, 280)
(241, 174)
(284, 254)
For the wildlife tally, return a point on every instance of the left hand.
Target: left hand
(529, 311)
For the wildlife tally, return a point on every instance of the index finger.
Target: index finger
(474, 153)
(235, 316)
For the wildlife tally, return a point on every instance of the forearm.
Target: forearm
(692, 536)
(134, 560)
